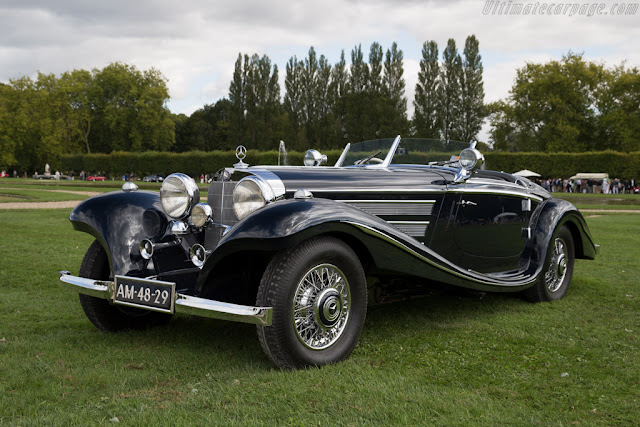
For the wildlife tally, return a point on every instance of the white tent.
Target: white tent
(584, 175)
(527, 173)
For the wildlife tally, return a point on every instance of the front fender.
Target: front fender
(117, 221)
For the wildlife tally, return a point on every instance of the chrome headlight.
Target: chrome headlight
(470, 159)
(200, 214)
(179, 193)
(249, 196)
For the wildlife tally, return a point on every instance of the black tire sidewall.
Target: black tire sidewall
(564, 234)
(305, 257)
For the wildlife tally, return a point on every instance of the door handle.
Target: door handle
(467, 203)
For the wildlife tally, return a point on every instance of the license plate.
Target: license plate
(153, 295)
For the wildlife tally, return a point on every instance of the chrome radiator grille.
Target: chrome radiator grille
(220, 198)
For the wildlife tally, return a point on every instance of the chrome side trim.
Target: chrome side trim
(412, 229)
(393, 207)
(506, 192)
(184, 303)
(444, 264)
(409, 222)
(386, 201)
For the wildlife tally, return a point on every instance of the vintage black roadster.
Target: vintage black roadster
(301, 251)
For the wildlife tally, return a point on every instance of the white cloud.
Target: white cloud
(195, 43)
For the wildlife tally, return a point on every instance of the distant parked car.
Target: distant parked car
(153, 178)
(96, 178)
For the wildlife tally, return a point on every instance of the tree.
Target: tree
(338, 89)
(7, 142)
(426, 117)
(130, 111)
(471, 91)
(557, 106)
(393, 89)
(206, 129)
(255, 102)
(449, 92)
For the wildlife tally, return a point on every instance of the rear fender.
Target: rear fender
(552, 214)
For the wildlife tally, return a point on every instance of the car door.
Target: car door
(490, 227)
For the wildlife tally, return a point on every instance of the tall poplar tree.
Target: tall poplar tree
(471, 91)
(449, 92)
(394, 90)
(338, 89)
(426, 117)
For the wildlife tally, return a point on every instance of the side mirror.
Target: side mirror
(314, 158)
(470, 159)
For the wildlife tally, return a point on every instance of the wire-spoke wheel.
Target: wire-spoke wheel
(553, 283)
(321, 306)
(318, 294)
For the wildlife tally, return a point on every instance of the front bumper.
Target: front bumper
(183, 303)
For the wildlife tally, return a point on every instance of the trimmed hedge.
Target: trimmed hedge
(194, 163)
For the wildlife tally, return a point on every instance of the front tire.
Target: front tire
(106, 316)
(319, 297)
(553, 282)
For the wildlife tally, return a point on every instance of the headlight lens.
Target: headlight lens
(470, 158)
(247, 197)
(200, 214)
(178, 194)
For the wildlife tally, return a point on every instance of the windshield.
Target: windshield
(409, 151)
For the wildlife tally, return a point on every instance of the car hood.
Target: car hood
(357, 179)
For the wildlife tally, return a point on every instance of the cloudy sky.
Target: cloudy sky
(195, 43)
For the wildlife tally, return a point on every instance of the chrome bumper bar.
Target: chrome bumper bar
(184, 303)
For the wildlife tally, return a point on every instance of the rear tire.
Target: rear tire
(553, 282)
(319, 297)
(103, 314)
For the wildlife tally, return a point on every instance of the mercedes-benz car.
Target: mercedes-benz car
(301, 251)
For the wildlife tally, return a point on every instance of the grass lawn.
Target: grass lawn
(448, 359)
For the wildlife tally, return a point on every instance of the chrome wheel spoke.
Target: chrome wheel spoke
(554, 277)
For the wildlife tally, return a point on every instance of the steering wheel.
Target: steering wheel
(371, 158)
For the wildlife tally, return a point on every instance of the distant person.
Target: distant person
(15, 173)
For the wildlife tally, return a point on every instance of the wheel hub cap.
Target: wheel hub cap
(328, 307)
(321, 306)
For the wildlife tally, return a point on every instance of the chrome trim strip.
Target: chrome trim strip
(521, 194)
(183, 304)
(450, 269)
(391, 208)
(387, 201)
(410, 222)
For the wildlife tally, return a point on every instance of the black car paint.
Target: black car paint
(116, 220)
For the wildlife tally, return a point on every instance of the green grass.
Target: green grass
(450, 359)
(35, 195)
(25, 187)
